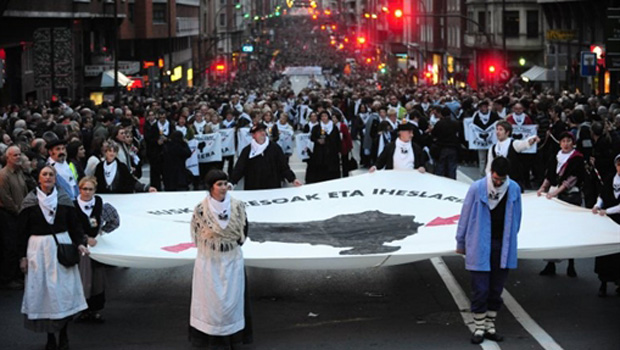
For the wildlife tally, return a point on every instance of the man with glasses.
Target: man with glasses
(487, 236)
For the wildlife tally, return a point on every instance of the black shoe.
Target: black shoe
(494, 337)
(477, 338)
(602, 290)
(549, 270)
(570, 271)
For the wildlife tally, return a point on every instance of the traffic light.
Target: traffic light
(491, 68)
(398, 13)
(220, 67)
(361, 40)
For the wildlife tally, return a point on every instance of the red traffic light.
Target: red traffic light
(220, 67)
(491, 69)
(398, 13)
(361, 40)
(428, 75)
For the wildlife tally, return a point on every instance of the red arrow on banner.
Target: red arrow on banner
(179, 247)
(444, 221)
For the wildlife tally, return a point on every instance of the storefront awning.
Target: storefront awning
(536, 73)
(107, 79)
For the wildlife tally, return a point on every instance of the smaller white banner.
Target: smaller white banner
(523, 132)
(303, 145)
(243, 139)
(228, 142)
(192, 162)
(286, 141)
(477, 137)
(209, 148)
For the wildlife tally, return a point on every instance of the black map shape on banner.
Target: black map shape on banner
(365, 232)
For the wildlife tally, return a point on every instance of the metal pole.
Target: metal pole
(117, 96)
(556, 79)
(504, 34)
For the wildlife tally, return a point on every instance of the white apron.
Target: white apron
(52, 291)
(217, 293)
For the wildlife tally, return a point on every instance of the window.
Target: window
(159, 13)
(222, 19)
(511, 25)
(532, 24)
(130, 12)
(482, 22)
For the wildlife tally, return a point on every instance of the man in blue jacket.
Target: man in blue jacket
(487, 235)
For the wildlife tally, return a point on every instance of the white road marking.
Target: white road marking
(461, 300)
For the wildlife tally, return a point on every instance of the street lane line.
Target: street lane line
(543, 338)
(461, 300)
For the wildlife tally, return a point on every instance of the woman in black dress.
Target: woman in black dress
(324, 161)
(114, 176)
(96, 217)
(608, 267)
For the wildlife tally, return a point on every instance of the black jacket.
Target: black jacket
(175, 172)
(123, 182)
(386, 159)
(264, 171)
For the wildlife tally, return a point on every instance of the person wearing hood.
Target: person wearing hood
(487, 235)
(262, 164)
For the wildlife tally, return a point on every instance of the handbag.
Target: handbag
(67, 253)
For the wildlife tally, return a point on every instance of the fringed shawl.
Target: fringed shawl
(207, 233)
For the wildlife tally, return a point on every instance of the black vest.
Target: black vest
(85, 221)
(515, 163)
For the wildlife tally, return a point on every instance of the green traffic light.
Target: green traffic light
(522, 61)
(238, 6)
(277, 13)
(247, 15)
(256, 18)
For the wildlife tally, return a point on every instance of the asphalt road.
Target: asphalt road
(402, 307)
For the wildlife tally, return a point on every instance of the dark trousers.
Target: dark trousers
(487, 286)
(9, 255)
(447, 162)
(157, 172)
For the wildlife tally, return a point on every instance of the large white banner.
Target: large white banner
(228, 142)
(209, 147)
(477, 137)
(192, 162)
(523, 132)
(303, 145)
(285, 141)
(380, 219)
(243, 139)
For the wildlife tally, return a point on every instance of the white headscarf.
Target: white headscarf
(109, 171)
(518, 118)
(221, 210)
(165, 128)
(48, 204)
(484, 117)
(327, 127)
(562, 158)
(496, 194)
(182, 129)
(200, 127)
(501, 147)
(86, 206)
(256, 149)
(403, 155)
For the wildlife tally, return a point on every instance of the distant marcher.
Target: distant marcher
(176, 152)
